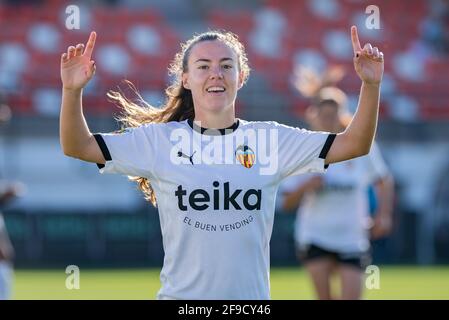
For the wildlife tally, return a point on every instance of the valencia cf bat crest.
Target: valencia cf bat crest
(245, 156)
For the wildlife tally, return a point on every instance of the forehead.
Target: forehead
(211, 50)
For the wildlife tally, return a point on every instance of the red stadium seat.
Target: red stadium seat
(20, 103)
(400, 23)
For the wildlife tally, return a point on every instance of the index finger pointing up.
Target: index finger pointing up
(355, 40)
(90, 44)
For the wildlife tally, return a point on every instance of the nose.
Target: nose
(216, 73)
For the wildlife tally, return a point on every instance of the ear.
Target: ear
(310, 114)
(185, 82)
(240, 81)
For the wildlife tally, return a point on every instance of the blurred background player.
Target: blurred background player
(8, 191)
(333, 226)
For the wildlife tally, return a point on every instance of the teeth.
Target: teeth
(216, 89)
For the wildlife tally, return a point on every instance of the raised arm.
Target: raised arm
(77, 69)
(356, 140)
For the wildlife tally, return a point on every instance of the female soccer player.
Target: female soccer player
(214, 176)
(333, 220)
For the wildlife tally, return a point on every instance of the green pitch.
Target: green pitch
(286, 283)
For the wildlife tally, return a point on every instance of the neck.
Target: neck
(214, 120)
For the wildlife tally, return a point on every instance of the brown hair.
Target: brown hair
(178, 105)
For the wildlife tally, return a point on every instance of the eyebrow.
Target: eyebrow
(208, 60)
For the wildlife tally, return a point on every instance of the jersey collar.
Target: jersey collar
(213, 132)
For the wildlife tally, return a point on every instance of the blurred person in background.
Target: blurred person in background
(218, 262)
(333, 225)
(8, 191)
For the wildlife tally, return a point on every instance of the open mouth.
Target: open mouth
(216, 89)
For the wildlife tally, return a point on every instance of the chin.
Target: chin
(218, 107)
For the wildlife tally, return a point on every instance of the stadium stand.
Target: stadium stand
(138, 45)
(137, 40)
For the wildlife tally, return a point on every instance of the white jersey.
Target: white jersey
(216, 196)
(337, 216)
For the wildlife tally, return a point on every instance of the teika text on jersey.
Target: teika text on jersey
(222, 198)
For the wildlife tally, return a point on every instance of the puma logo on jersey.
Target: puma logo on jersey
(221, 199)
(180, 154)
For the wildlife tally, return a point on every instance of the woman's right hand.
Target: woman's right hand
(77, 68)
(314, 184)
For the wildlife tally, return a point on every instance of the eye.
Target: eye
(203, 67)
(227, 66)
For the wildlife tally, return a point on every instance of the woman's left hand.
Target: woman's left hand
(368, 61)
(382, 226)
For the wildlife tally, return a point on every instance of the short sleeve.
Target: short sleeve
(375, 164)
(303, 151)
(131, 152)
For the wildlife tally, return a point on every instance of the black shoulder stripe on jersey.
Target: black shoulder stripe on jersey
(104, 149)
(327, 145)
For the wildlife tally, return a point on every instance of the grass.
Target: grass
(396, 282)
